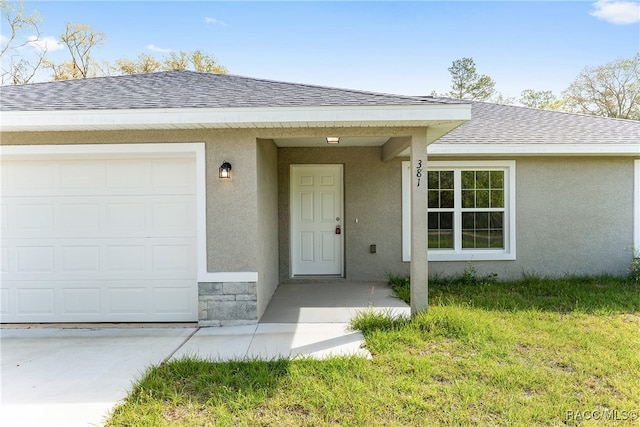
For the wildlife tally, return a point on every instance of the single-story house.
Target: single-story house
(185, 196)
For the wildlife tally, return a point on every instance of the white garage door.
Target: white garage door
(101, 239)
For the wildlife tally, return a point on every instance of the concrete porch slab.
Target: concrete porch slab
(330, 302)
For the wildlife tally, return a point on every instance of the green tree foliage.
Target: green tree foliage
(466, 83)
(196, 61)
(610, 90)
(544, 99)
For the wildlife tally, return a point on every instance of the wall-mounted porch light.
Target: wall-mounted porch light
(333, 140)
(225, 170)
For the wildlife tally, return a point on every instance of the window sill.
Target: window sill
(471, 256)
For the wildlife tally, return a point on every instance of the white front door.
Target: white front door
(316, 220)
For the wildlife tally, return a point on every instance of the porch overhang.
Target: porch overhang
(419, 115)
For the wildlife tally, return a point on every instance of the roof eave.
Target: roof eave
(555, 149)
(250, 117)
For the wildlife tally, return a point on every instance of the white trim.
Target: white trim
(534, 149)
(636, 204)
(508, 253)
(196, 149)
(281, 117)
(231, 276)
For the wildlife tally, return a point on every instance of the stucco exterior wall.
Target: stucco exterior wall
(372, 195)
(574, 215)
(267, 239)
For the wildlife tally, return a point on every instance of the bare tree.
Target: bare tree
(23, 32)
(610, 90)
(80, 40)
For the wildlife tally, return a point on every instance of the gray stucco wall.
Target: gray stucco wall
(574, 215)
(267, 239)
(372, 194)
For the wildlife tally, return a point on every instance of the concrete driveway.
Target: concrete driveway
(75, 377)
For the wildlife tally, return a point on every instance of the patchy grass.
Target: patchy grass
(533, 352)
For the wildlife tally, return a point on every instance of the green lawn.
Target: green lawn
(533, 352)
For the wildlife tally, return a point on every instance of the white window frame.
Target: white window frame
(459, 254)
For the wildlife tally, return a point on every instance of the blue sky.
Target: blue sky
(395, 47)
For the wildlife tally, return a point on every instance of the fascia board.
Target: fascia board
(534, 149)
(387, 115)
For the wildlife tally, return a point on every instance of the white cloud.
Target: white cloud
(617, 12)
(49, 44)
(155, 48)
(214, 21)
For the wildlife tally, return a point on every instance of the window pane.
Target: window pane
(482, 179)
(468, 221)
(446, 220)
(497, 198)
(496, 220)
(446, 239)
(482, 219)
(446, 180)
(497, 179)
(446, 199)
(433, 199)
(497, 239)
(468, 199)
(432, 221)
(434, 179)
(482, 199)
(468, 180)
(440, 235)
(468, 240)
(482, 230)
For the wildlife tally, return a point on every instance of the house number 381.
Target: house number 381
(419, 172)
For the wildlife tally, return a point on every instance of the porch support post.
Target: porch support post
(418, 270)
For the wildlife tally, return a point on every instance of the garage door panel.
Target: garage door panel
(70, 259)
(36, 300)
(98, 240)
(35, 259)
(175, 176)
(175, 300)
(4, 259)
(80, 258)
(32, 176)
(4, 301)
(81, 301)
(127, 300)
(102, 217)
(99, 301)
(81, 174)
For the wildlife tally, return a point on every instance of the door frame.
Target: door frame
(291, 217)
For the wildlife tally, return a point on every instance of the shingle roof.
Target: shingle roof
(509, 124)
(187, 89)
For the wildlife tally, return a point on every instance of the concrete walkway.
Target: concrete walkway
(75, 377)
